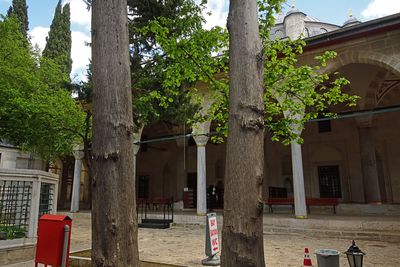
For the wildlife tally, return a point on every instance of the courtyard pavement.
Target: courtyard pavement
(183, 243)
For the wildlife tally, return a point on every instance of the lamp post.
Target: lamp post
(355, 255)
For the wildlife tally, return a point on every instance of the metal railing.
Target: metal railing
(25, 195)
(46, 198)
(15, 203)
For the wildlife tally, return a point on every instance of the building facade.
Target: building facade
(355, 158)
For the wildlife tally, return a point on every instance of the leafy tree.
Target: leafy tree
(151, 61)
(293, 93)
(58, 49)
(58, 42)
(36, 114)
(20, 11)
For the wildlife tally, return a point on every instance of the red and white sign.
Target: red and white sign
(214, 242)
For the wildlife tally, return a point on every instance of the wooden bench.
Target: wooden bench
(309, 202)
(322, 202)
(279, 201)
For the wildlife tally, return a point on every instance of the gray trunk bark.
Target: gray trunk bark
(114, 222)
(242, 243)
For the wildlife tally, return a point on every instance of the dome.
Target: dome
(351, 21)
(280, 18)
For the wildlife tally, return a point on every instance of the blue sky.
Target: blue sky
(334, 11)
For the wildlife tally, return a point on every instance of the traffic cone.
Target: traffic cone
(307, 260)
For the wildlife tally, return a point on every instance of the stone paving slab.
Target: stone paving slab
(183, 244)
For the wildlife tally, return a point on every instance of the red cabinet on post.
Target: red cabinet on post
(50, 242)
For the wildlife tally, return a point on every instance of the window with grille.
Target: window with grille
(15, 203)
(329, 181)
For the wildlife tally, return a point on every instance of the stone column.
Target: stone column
(78, 155)
(200, 135)
(201, 142)
(298, 182)
(300, 206)
(368, 161)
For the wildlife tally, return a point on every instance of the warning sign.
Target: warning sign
(213, 233)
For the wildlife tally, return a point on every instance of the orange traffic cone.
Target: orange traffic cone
(307, 260)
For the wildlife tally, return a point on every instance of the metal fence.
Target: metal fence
(15, 203)
(46, 202)
(25, 195)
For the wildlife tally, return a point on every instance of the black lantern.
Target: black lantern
(355, 255)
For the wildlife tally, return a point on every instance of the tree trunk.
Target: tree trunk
(242, 243)
(66, 162)
(114, 221)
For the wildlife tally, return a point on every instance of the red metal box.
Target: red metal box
(50, 240)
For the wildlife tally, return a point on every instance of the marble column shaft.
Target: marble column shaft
(298, 182)
(76, 183)
(201, 141)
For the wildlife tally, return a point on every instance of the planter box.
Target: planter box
(17, 250)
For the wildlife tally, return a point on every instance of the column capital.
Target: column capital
(200, 132)
(137, 135)
(78, 152)
(136, 148)
(201, 140)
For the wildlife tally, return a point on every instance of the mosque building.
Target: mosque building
(354, 159)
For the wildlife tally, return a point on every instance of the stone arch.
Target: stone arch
(390, 63)
(323, 30)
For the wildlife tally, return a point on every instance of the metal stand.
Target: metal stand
(213, 260)
(65, 248)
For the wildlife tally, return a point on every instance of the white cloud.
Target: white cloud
(38, 36)
(380, 8)
(80, 52)
(80, 15)
(219, 13)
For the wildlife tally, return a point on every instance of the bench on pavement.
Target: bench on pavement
(309, 202)
(279, 201)
(322, 202)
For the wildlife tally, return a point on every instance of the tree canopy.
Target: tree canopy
(157, 97)
(58, 42)
(19, 10)
(36, 114)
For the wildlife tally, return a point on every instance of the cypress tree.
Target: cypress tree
(58, 43)
(20, 11)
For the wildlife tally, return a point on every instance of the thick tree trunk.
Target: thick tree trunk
(114, 222)
(242, 243)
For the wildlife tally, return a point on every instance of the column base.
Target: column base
(301, 217)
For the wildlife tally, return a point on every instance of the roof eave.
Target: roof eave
(353, 32)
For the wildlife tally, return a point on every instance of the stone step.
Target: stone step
(393, 237)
